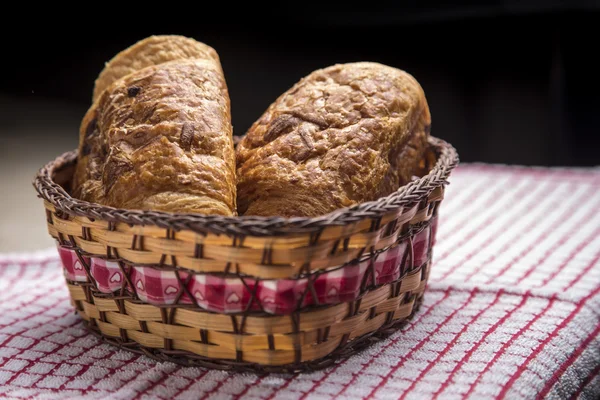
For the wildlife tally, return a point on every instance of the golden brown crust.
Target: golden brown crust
(161, 139)
(153, 50)
(342, 135)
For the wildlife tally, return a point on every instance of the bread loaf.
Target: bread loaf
(151, 51)
(159, 137)
(342, 135)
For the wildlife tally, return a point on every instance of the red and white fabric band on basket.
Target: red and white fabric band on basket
(231, 295)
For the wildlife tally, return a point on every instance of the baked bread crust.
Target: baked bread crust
(160, 138)
(153, 50)
(343, 135)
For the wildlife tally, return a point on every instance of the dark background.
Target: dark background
(507, 81)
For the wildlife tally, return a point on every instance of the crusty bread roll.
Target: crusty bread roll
(342, 135)
(160, 138)
(151, 51)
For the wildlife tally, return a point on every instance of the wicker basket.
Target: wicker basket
(251, 293)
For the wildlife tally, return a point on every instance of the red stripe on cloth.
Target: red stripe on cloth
(544, 172)
(476, 206)
(491, 330)
(192, 381)
(319, 382)
(564, 216)
(122, 367)
(34, 343)
(584, 271)
(79, 373)
(521, 233)
(217, 387)
(479, 204)
(390, 343)
(507, 344)
(469, 188)
(573, 253)
(543, 343)
(451, 344)
(525, 190)
(11, 288)
(250, 386)
(465, 188)
(285, 385)
(7, 291)
(498, 233)
(29, 316)
(15, 278)
(7, 260)
(568, 362)
(113, 370)
(421, 344)
(59, 347)
(161, 379)
(515, 292)
(586, 381)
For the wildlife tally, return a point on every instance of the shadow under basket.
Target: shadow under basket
(262, 294)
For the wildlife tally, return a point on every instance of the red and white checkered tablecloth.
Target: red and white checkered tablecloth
(512, 311)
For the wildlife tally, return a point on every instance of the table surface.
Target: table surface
(32, 132)
(511, 311)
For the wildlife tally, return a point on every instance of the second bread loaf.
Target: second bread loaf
(160, 138)
(342, 135)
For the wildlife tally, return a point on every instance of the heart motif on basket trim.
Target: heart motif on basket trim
(233, 298)
(171, 289)
(332, 292)
(199, 295)
(139, 284)
(268, 300)
(77, 265)
(116, 277)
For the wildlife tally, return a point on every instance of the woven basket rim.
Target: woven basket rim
(408, 194)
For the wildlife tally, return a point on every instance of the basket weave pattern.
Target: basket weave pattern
(312, 315)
